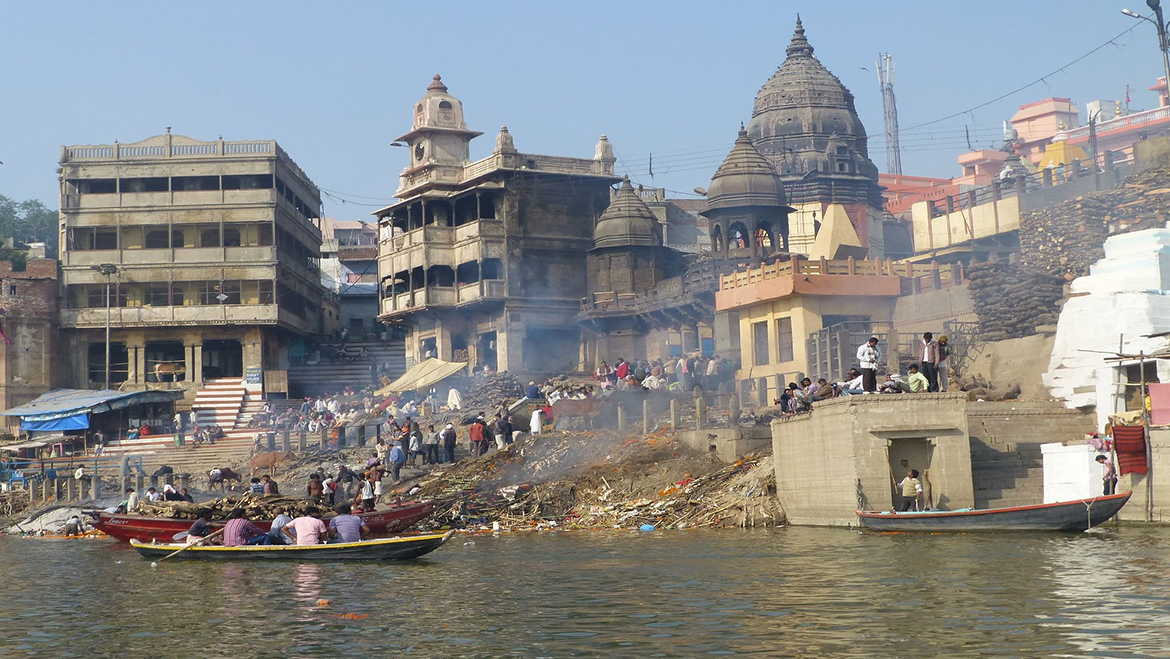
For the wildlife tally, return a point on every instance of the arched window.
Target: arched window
(444, 105)
(231, 237)
(764, 237)
(177, 239)
(209, 238)
(738, 236)
(716, 238)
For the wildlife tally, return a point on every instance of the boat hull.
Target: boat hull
(1069, 516)
(381, 549)
(386, 521)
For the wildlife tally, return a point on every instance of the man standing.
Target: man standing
(868, 357)
(944, 352)
(1108, 475)
(431, 446)
(911, 489)
(449, 437)
(397, 459)
(477, 434)
(929, 361)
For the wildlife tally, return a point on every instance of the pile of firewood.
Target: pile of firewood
(1065, 239)
(1011, 301)
(255, 507)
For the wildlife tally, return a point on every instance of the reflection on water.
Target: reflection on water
(789, 592)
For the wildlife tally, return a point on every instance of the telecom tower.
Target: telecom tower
(885, 67)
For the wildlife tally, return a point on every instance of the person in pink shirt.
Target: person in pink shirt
(307, 530)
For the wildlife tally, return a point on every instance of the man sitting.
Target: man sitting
(347, 527)
(917, 381)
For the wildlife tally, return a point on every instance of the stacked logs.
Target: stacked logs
(1011, 301)
(255, 507)
(1065, 239)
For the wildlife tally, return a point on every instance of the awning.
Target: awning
(40, 443)
(422, 375)
(64, 403)
(75, 422)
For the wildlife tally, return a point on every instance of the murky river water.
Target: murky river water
(783, 593)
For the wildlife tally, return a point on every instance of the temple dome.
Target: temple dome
(804, 116)
(627, 221)
(745, 178)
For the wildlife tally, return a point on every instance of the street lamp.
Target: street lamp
(1159, 24)
(109, 270)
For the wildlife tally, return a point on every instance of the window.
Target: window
(253, 182)
(119, 362)
(97, 186)
(231, 237)
(760, 342)
(157, 296)
(177, 238)
(12, 290)
(194, 183)
(158, 184)
(444, 105)
(156, 239)
(784, 350)
(209, 237)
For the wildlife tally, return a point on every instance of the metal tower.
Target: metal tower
(885, 67)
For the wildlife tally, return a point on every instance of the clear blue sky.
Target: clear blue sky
(334, 82)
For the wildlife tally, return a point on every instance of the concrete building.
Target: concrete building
(848, 452)
(487, 258)
(805, 123)
(203, 258)
(29, 359)
(781, 307)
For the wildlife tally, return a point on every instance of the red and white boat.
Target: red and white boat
(395, 519)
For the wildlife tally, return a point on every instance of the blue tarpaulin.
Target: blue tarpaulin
(62, 404)
(75, 422)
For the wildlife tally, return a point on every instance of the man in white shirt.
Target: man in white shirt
(868, 356)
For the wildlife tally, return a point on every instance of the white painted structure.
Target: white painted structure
(1070, 472)
(1125, 297)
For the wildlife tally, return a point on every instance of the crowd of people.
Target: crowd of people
(930, 373)
(683, 373)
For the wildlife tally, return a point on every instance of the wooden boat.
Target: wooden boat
(399, 548)
(1078, 515)
(395, 519)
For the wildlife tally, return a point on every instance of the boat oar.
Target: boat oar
(177, 552)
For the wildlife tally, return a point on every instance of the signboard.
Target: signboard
(254, 375)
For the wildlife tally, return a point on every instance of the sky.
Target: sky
(334, 83)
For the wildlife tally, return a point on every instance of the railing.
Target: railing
(216, 148)
(848, 267)
(1120, 123)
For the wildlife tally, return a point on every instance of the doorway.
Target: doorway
(223, 358)
(485, 350)
(165, 361)
(911, 453)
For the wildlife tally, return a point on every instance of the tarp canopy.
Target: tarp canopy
(39, 443)
(65, 403)
(422, 375)
(75, 422)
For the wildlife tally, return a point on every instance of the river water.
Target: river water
(797, 592)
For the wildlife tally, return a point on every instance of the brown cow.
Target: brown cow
(172, 369)
(269, 461)
(586, 408)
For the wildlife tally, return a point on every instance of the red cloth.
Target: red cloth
(1130, 444)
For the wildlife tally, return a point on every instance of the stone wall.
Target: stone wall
(1006, 466)
(928, 310)
(30, 363)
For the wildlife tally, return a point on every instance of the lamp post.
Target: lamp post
(1160, 25)
(109, 270)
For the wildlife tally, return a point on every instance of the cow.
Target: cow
(163, 471)
(222, 476)
(586, 408)
(269, 461)
(171, 369)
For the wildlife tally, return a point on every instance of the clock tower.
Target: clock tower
(439, 140)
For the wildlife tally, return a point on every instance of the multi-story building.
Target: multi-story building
(201, 259)
(28, 328)
(485, 261)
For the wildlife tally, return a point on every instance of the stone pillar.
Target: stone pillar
(700, 413)
(673, 415)
(47, 489)
(71, 489)
(646, 416)
(286, 442)
(169, 479)
(621, 414)
(733, 407)
(139, 484)
(271, 440)
(197, 363)
(184, 481)
(95, 487)
(324, 437)
(361, 436)
(342, 440)
(303, 441)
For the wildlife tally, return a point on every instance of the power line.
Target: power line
(1034, 82)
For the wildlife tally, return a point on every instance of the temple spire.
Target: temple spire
(799, 46)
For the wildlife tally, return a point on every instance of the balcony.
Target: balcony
(123, 317)
(488, 289)
(190, 256)
(443, 296)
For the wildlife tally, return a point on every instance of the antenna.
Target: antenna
(885, 67)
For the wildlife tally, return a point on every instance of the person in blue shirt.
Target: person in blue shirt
(532, 391)
(397, 459)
